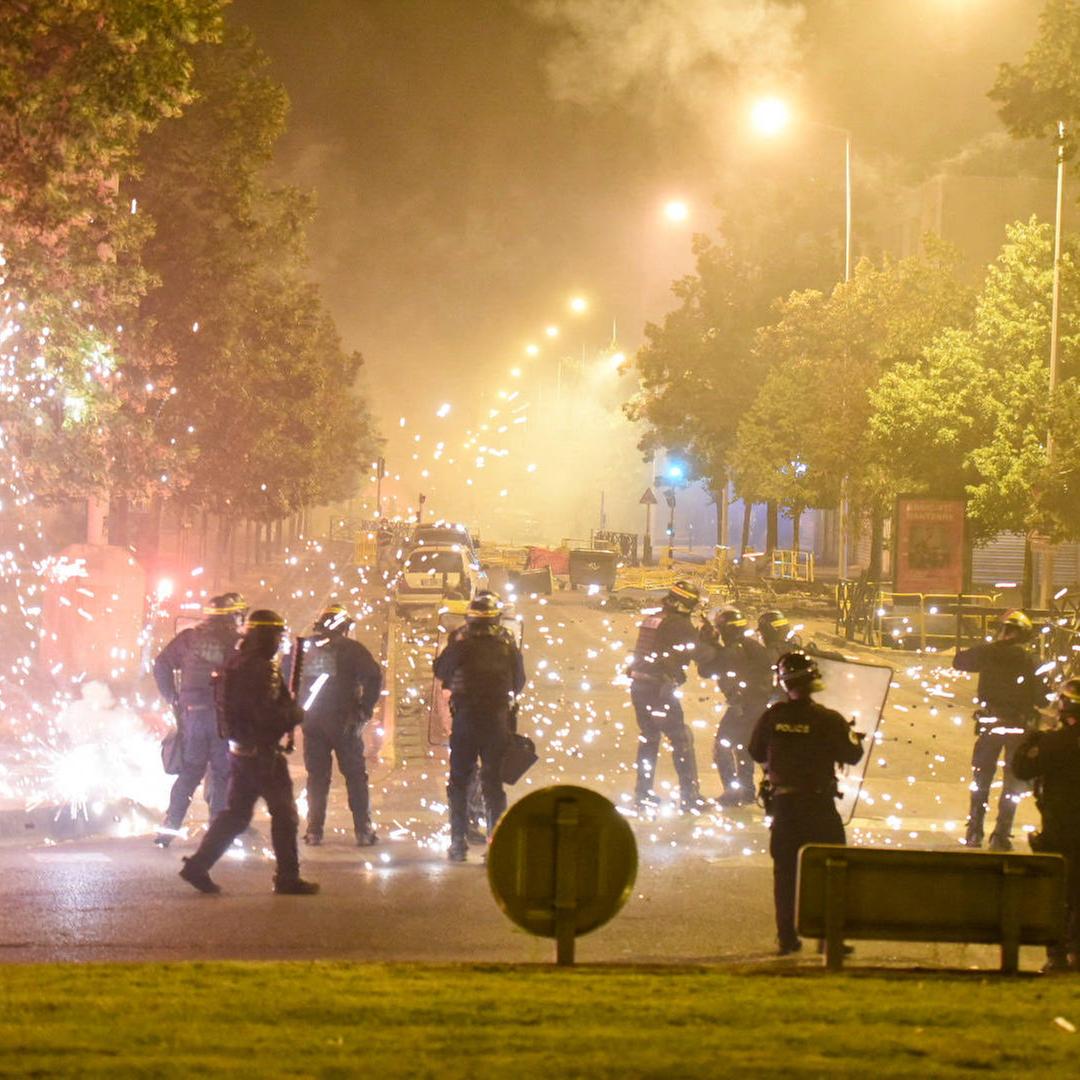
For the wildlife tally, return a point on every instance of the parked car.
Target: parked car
(428, 574)
(443, 534)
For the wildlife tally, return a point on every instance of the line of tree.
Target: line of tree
(164, 344)
(903, 379)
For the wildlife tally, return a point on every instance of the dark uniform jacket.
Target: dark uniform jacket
(1008, 687)
(666, 644)
(255, 707)
(1052, 760)
(800, 743)
(351, 681)
(481, 668)
(742, 671)
(198, 654)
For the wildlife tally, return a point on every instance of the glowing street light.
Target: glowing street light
(770, 116)
(676, 211)
(532, 350)
(617, 360)
(552, 331)
(579, 305)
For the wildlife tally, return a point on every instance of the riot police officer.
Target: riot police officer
(340, 683)
(184, 672)
(1052, 760)
(1009, 692)
(666, 643)
(484, 671)
(742, 671)
(800, 743)
(256, 711)
(775, 633)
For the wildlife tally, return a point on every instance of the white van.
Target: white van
(430, 573)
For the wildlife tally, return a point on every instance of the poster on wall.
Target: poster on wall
(929, 545)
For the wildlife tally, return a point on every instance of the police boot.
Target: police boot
(313, 837)
(200, 879)
(458, 850)
(366, 836)
(295, 887)
(999, 842)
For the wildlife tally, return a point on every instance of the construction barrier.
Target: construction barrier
(788, 565)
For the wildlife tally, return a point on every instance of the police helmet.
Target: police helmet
(773, 626)
(264, 619)
(731, 624)
(334, 619)
(1017, 624)
(1069, 698)
(484, 610)
(797, 671)
(683, 597)
(229, 603)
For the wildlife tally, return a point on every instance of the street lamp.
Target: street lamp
(676, 211)
(1046, 585)
(770, 116)
(579, 305)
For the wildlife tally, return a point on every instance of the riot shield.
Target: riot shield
(857, 691)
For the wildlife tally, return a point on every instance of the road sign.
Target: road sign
(562, 862)
(669, 498)
(648, 499)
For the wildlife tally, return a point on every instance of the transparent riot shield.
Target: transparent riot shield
(857, 691)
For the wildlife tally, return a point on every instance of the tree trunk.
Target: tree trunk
(204, 536)
(118, 521)
(877, 544)
(772, 527)
(796, 522)
(232, 549)
(744, 538)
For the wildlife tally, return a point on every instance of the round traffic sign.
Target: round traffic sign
(562, 857)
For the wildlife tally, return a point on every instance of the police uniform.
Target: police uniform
(665, 646)
(743, 673)
(340, 683)
(483, 670)
(257, 711)
(185, 671)
(1009, 692)
(800, 743)
(1052, 760)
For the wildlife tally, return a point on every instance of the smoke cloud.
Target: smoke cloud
(687, 50)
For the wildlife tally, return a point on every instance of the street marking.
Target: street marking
(71, 857)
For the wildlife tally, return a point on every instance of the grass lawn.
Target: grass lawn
(326, 1019)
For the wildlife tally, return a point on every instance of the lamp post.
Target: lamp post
(1046, 585)
(770, 117)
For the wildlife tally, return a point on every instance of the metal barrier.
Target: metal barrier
(790, 565)
(877, 894)
(882, 617)
(626, 544)
(366, 550)
(645, 578)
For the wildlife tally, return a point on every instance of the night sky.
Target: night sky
(477, 161)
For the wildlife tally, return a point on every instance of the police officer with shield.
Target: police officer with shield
(1052, 760)
(666, 643)
(1009, 692)
(256, 712)
(184, 672)
(340, 683)
(484, 671)
(800, 742)
(742, 670)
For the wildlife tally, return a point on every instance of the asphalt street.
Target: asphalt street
(703, 891)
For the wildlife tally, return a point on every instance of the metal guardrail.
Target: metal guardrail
(791, 565)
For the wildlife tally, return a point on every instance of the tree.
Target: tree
(80, 82)
(807, 433)
(972, 414)
(698, 372)
(266, 408)
(1043, 90)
